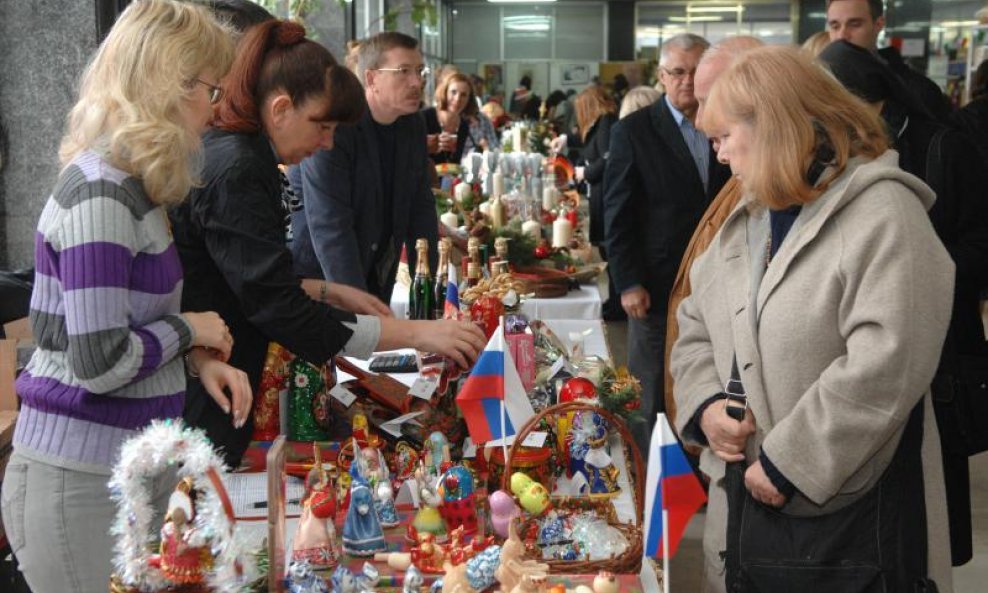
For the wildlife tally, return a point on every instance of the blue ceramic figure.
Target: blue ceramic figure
(588, 454)
(301, 579)
(370, 466)
(343, 580)
(362, 533)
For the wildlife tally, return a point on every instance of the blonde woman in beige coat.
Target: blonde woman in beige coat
(836, 323)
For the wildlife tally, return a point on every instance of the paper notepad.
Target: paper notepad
(249, 495)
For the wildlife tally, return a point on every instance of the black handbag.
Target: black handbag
(876, 544)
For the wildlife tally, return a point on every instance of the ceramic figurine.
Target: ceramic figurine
(343, 580)
(459, 504)
(605, 582)
(531, 583)
(588, 454)
(369, 464)
(503, 510)
(512, 565)
(185, 556)
(427, 519)
(477, 574)
(302, 579)
(315, 536)
(413, 581)
(437, 454)
(532, 495)
(427, 555)
(362, 533)
(368, 578)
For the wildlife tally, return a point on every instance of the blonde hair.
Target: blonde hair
(590, 104)
(790, 122)
(815, 43)
(637, 98)
(130, 97)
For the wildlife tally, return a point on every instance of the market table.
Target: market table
(580, 303)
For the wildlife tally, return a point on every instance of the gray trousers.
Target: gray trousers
(58, 523)
(646, 356)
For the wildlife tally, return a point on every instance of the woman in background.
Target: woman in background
(286, 95)
(108, 281)
(447, 125)
(595, 114)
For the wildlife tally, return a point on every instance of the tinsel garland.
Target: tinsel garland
(163, 445)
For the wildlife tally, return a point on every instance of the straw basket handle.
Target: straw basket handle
(577, 406)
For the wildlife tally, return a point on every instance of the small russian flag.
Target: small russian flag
(451, 308)
(493, 400)
(673, 492)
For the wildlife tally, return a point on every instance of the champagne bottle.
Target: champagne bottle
(473, 274)
(420, 294)
(442, 277)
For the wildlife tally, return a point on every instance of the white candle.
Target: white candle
(562, 232)
(497, 212)
(533, 228)
(461, 191)
(498, 188)
(450, 219)
(548, 198)
(485, 208)
(518, 139)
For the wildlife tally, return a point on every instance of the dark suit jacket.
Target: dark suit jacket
(654, 198)
(594, 160)
(337, 235)
(926, 91)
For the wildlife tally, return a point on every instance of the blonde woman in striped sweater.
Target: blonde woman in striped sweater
(105, 307)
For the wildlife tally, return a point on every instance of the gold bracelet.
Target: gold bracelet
(323, 290)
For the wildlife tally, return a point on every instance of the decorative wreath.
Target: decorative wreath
(162, 445)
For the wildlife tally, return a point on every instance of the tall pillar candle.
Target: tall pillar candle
(497, 213)
(548, 197)
(461, 191)
(498, 189)
(562, 232)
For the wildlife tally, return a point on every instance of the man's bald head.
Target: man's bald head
(714, 62)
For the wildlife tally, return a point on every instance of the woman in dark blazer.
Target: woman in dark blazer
(284, 97)
(595, 113)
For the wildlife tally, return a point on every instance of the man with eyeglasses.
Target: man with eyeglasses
(660, 176)
(370, 195)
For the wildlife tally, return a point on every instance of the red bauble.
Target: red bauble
(548, 217)
(633, 404)
(542, 251)
(571, 216)
(577, 388)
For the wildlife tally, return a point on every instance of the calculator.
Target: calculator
(394, 363)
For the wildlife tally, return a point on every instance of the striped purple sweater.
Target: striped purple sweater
(104, 312)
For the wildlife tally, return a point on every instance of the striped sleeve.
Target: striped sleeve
(100, 266)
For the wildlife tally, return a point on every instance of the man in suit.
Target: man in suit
(859, 22)
(660, 177)
(370, 195)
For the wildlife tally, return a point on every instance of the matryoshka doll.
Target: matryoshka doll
(458, 500)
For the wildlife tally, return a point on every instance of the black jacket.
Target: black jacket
(654, 199)
(927, 91)
(432, 126)
(594, 160)
(230, 236)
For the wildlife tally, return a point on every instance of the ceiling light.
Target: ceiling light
(959, 23)
(737, 8)
(696, 19)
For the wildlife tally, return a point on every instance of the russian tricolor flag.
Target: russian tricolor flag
(673, 492)
(451, 308)
(493, 400)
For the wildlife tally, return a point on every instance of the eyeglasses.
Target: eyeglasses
(215, 92)
(405, 71)
(679, 73)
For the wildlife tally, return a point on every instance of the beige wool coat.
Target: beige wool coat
(836, 342)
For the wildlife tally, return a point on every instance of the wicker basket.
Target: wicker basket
(628, 562)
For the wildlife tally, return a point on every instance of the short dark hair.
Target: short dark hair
(240, 14)
(371, 49)
(875, 7)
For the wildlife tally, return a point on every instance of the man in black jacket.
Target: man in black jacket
(661, 175)
(370, 195)
(859, 22)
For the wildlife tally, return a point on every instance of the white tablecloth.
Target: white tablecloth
(583, 303)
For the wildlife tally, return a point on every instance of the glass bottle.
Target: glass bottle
(420, 293)
(442, 277)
